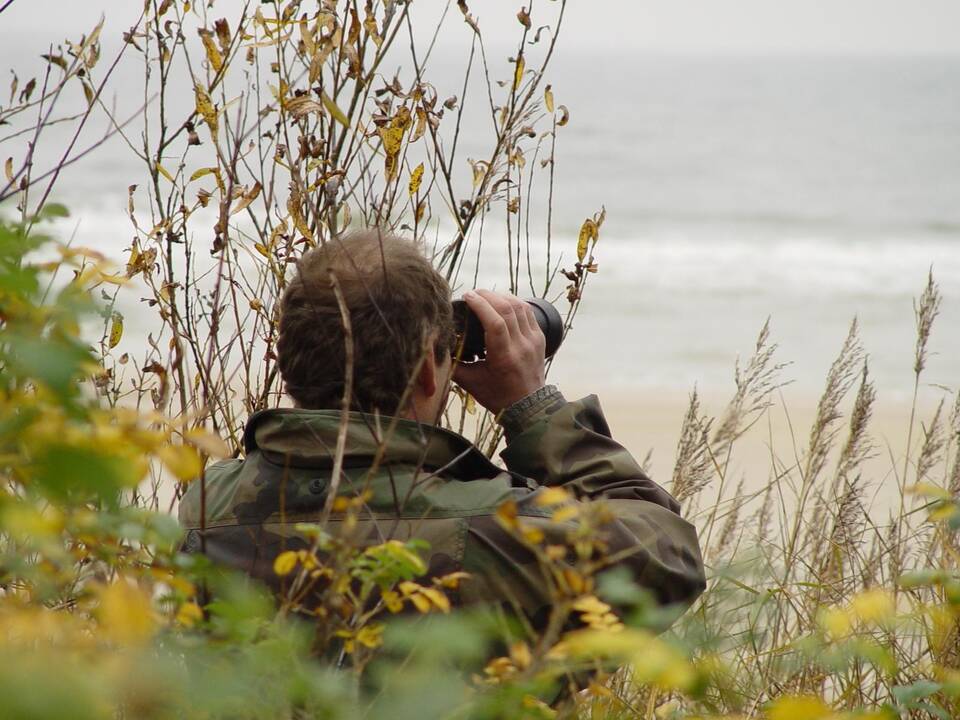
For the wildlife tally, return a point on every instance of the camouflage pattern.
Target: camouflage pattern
(435, 485)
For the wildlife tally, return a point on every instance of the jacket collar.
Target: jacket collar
(295, 437)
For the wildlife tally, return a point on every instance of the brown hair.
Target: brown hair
(395, 299)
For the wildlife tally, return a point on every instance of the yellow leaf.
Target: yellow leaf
(548, 98)
(564, 116)
(202, 172)
(552, 496)
(929, 490)
(588, 234)
(323, 51)
(439, 600)
(163, 171)
(370, 636)
(835, 621)
(943, 512)
(206, 110)
(661, 664)
(520, 655)
(370, 25)
(392, 600)
(574, 580)
(248, 197)
(532, 534)
(112, 279)
(301, 106)
(263, 250)
(208, 443)
(306, 35)
(452, 580)
(518, 73)
(116, 330)
(798, 708)
(25, 521)
(189, 614)
(125, 613)
(873, 606)
(213, 53)
(421, 603)
(556, 552)
(565, 513)
(507, 515)
(591, 604)
(421, 125)
(392, 139)
(8, 169)
(284, 563)
(409, 588)
(335, 111)
(479, 171)
(302, 226)
(415, 179)
(182, 460)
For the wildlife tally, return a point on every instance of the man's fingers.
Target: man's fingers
(495, 314)
(512, 310)
(525, 319)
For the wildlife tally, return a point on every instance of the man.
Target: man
(422, 481)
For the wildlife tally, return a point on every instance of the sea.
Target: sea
(803, 190)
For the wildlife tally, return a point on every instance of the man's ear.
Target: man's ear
(427, 377)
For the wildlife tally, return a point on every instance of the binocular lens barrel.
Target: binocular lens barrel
(470, 330)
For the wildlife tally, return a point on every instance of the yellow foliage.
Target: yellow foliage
(564, 514)
(836, 622)
(415, 179)
(552, 496)
(125, 613)
(518, 73)
(591, 604)
(370, 636)
(392, 600)
(798, 708)
(874, 606)
(520, 655)
(210, 47)
(437, 598)
(206, 110)
(23, 520)
(182, 460)
(284, 563)
(663, 666)
(189, 614)
(116, 330)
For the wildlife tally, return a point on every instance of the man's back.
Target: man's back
(431, 484)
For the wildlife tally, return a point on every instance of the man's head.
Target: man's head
(401, 324)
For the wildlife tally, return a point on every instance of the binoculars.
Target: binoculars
(470, 336)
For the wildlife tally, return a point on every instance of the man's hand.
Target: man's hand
(514, 364)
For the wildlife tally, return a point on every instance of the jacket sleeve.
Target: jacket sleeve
(568, 444)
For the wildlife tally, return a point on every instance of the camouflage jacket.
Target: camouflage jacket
(435, 485)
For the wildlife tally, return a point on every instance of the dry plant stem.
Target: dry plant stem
(925, 311)
(345, 403)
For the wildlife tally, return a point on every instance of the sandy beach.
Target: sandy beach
(645, 421)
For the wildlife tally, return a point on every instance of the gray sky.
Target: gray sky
(702, 26)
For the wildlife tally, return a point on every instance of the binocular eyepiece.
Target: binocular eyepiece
(470, 333)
